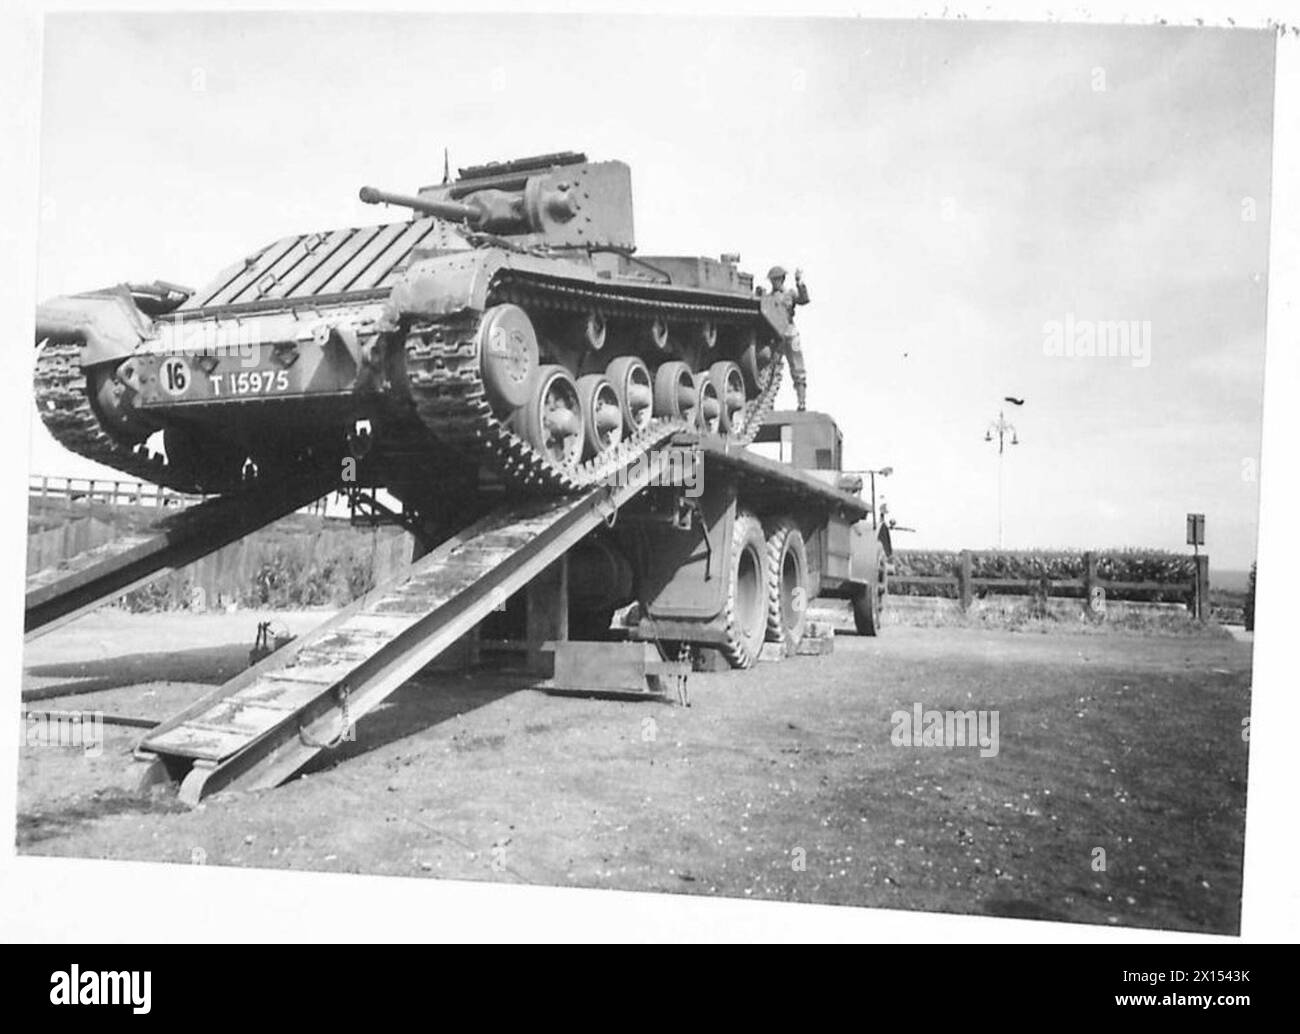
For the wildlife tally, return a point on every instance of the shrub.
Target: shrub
(1248, 610)
(1032, 567)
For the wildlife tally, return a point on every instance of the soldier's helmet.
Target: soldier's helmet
(776, 273)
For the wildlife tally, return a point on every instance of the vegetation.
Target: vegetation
(1034, 567)
(1248, 610)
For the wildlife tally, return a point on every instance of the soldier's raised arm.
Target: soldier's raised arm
(800, 288)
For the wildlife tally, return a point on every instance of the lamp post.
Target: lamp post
(1003, 432)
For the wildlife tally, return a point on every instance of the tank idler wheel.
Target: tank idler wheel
(551, 419)
(708, 412)
(674, 393)
(631, 380)
(747, 593)
(729, 383)
(787, 572)
(602, 415)
(508, 355)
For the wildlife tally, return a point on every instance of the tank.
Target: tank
(503, 333)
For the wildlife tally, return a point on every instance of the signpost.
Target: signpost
(1196, 539)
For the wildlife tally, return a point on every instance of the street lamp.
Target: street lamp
(1001, 430)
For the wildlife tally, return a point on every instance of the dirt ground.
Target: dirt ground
(778, 783)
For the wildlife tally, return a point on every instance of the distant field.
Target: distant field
(1228, 580)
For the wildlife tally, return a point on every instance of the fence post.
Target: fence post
(1202, 587)
(964, 587)
(1089, 578)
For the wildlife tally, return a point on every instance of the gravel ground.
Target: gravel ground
(1120, 751)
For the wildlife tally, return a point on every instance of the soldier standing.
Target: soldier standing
(793, 350)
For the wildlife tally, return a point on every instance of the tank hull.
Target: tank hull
(409, 355)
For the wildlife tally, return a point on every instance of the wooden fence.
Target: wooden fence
(107, 492)
(1195, 591)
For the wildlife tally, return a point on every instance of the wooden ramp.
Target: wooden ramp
(265, 724)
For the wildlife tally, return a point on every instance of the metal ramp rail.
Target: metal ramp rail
(262, 726)
(60, 594)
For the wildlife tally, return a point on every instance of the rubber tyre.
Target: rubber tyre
(595, 394)
(724, 375)
(591, 625)
(745, 610)
(869, 603)
(750, 365)
(531, 416)
(628, 373)
(673, 381)
(706, 392)
(787, 577)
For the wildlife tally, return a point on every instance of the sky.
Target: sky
(950, 189)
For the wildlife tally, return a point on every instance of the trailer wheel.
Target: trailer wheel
(869, 602)
(747, 592)
(787, 582)
(591, 625)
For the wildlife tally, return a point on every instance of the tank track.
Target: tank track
(451, 402)
(64, 403)
(443, 379)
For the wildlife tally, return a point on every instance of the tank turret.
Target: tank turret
(558, 200)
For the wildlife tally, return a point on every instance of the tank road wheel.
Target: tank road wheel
(746, 607)
(507, 355)
(729, 383)
(674, 394)
(602, 415)
(708, 410)
(631, 380)
(869, 603)
(787, 584)
(754, 361)
(551, 420)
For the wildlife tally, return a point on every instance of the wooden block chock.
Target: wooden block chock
(818, 639)
(546, 620)
(626, 669)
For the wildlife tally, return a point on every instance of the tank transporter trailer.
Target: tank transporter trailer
(560, 421)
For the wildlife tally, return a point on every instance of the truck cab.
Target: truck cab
(850, 559)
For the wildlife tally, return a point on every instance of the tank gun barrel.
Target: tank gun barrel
(452, 211)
